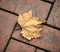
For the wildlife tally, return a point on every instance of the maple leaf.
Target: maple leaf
(31, 26)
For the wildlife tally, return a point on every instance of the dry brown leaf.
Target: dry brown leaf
(30, 25)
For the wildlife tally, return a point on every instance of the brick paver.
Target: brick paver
(7, 22)
(7, 5)
(54, 18)
(38, 7)
(15, 46)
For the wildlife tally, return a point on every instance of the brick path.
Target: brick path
(10, 39)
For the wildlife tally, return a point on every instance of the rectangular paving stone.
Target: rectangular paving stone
(38, 7)
(54, 18)
(7, 5)
(7, 22)
(49, 41)
(16, 46)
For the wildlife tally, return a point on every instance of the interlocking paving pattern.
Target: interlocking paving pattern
(15, 46)
(10, 37)
(5, 29)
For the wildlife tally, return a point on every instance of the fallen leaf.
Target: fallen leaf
(31, 26)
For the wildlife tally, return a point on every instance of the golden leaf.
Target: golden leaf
(31, 26)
